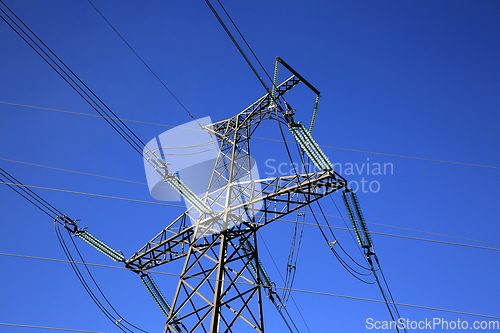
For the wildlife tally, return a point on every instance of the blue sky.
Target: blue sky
(419, 79)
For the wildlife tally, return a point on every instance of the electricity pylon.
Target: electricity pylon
(222, 281)
(221, 284)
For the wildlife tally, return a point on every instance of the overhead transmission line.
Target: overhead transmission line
(388, 299)
(48, 328)
(307, 212)
(122, 132)
(83, 193)
(20, 185)
(159, 165)
(142, 60)
(285, 288)
(245, 41)
(9, 180)
(246, 283)
(70, 77)
(367, 255)
(60, 220)
(346, 266)
(269, 139)
(108, 313)
(237, 45)
(293, 255)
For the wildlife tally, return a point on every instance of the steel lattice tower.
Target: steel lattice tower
(222, 281)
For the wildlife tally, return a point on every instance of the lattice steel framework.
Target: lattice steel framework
(221, 288)
(221, 284)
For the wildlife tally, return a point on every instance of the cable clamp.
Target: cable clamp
(69, 224)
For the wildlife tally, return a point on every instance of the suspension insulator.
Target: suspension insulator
(100, 246)
(315, 111)
(188, 194)
(156, 294)
(357, 207)
(310, 146)
(296, 133)
(352, 204)
(275, 84)
(256, 265)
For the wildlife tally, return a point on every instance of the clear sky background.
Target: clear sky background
(419, 79)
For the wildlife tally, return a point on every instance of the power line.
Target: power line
(268, 139)
(337, 217)
(295, 290)
(89, 115)
(120, 322)
(386, 285)
(19, 27)
(368, 259)
(28, 194)
(245, 41)
(348, 268)
(91, 194)
(72, 171)
(145, 64)
(52, 212)
(399, 236)
(48, 328)
(305, 223)
(394, 155)
(281, 276)
(237, 45)
(413, 230)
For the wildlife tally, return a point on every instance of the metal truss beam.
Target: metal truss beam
(280, 196)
